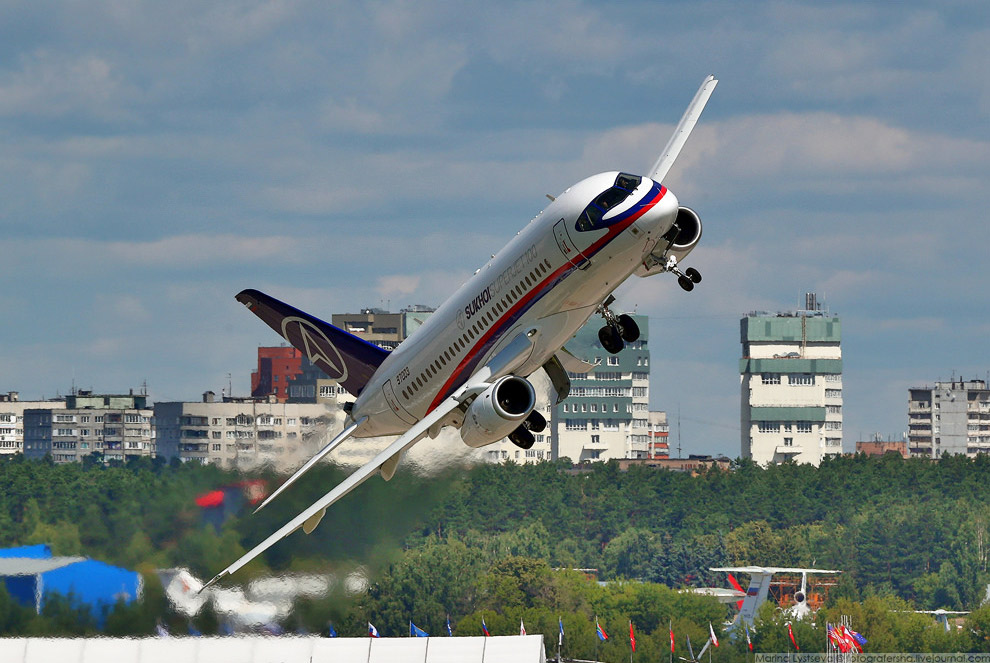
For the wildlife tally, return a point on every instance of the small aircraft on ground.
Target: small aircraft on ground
(759, 589)
(466, 366)
(942, 616)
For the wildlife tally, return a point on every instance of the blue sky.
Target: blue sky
(157, 158)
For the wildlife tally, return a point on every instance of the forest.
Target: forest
(499, 542)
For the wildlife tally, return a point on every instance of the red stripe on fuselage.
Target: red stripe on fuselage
(526, 300)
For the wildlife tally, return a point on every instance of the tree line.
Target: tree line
(484, 541)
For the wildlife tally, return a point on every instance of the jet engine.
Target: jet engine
(686, 232)
(498, 411)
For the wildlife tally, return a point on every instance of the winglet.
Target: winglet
(683, 130)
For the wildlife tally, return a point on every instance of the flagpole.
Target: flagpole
(598, 638)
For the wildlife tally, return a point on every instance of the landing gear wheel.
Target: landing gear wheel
(693, 274)
(685, 283)
(610, 339)
(522, 438)
(535, 422)
(628, 328)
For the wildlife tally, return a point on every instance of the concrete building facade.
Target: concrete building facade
(12, 420)
(116, 426)
(242, 433)
(791, 385)
(950, 418)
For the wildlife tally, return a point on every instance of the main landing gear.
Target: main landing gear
(523, 437)
(618, 329)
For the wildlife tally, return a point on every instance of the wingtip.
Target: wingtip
(213, 581)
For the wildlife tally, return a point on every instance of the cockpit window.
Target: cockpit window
(591, 217)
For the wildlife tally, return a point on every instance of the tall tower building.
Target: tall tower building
(791, 385)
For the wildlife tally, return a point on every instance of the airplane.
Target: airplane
(942, 616)
(466, 367)
(759, 587)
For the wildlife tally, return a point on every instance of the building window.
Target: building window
(768, 426)
(770, 378)
(803, 426)
(613, 361)
(801, 379)
(788, 441)
(833, 393)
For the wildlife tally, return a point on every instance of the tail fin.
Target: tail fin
(349, 360)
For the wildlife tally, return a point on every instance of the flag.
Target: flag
(851, 640)
(834, 639)
(632, 637)
(790, 633)
(522, 629)
(372, 631)
(331, 630)
(860, 640)
(711, 632)
(602, 635)
(484, 628)
(671, 637)
(560, 638)
(749, 643)
(417, 632)
(450, 631)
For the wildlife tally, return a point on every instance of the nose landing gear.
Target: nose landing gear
(618, 329)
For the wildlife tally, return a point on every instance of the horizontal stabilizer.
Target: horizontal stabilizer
(349, 360)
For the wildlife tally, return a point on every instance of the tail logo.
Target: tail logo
(318, 348)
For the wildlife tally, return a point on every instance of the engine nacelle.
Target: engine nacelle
(685, 233)
(498, 411)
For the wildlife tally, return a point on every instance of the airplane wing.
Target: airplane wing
(683, 130)
(333, 444)
(311, 516)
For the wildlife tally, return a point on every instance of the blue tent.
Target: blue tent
(30, 573)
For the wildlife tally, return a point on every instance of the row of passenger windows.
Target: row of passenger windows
(450, 354)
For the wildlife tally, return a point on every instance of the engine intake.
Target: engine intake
(498, 411)
(686, 230)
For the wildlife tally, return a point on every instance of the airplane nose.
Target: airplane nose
(660, 217)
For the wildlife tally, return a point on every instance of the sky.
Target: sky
(157, 158)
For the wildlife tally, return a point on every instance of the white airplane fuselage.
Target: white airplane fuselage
(550, 277)
(466, 366)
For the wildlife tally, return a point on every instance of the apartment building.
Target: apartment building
(116, 426)
(950, 418)
(791, 385)
(243, 433)
(12, 420)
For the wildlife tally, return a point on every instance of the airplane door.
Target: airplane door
(567, 247)
(395, 406)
